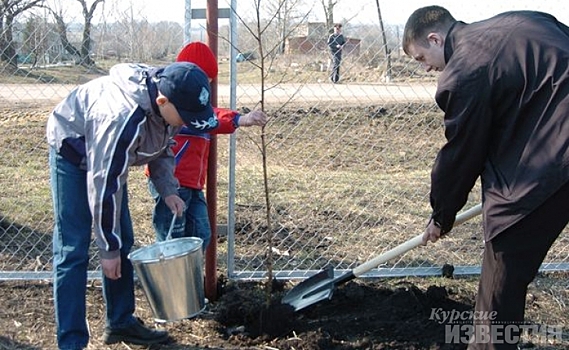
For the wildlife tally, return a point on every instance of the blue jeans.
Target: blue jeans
(194, 222)
(71, 240)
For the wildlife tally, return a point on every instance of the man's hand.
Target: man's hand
(112, 267)
(432, 233)
(256, 117)
(176, 204)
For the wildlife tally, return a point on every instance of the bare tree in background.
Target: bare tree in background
(132, 30)
(167, 39)
(133, 37)
(9, 9)
(387, 50)
(35, 46)
(84, 51)
(328, 6)
(285, 17)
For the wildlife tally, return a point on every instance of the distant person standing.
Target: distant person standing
(336, 43)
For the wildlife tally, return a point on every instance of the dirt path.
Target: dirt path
(50, 94)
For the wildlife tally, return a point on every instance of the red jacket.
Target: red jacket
(191, 149)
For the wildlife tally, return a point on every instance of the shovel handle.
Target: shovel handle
(412, 243)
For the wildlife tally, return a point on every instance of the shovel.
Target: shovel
(321, 286)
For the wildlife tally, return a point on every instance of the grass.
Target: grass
(345, 184)
(299, 69)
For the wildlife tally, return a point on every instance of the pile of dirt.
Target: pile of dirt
(362, 314)
(358, 316)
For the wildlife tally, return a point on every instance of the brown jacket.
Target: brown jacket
(505, 94)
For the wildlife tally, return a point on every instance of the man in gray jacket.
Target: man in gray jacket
(504, 90)
(103, 127)
(336, 42)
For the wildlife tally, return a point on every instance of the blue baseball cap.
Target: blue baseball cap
(187, 87)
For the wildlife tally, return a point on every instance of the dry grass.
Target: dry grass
(353, 319)
(345, 182)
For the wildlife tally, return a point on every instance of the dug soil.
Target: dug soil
(402, 313)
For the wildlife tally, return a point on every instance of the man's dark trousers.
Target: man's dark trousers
(336, 60)
(511, 262)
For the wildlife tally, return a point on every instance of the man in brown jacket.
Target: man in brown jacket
(504, 90)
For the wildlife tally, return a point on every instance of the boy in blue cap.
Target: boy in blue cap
(100, 129)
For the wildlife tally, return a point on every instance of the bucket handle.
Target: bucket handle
(169, 236)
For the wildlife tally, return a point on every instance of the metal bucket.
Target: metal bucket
(171, 275)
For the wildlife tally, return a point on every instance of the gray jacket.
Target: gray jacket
(105, 126)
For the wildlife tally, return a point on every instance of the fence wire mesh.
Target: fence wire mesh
(347, 164)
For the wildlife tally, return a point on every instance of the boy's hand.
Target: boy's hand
(258, 118)
(176, 204)
(112, 267)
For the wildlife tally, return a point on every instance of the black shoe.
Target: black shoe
(136, 333)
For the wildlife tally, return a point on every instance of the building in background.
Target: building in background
(311, 38)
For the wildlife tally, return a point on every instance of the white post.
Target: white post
(232, 140)
(188, 22)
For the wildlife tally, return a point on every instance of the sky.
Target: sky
(397, 12)
(365, 11)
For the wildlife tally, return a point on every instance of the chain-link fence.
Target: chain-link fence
(342, 174)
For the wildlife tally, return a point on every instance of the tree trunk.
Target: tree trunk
(8, 54)
(387, 51)
(62, 31)
(86, 44)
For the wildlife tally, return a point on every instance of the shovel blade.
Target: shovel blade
(312, 290)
